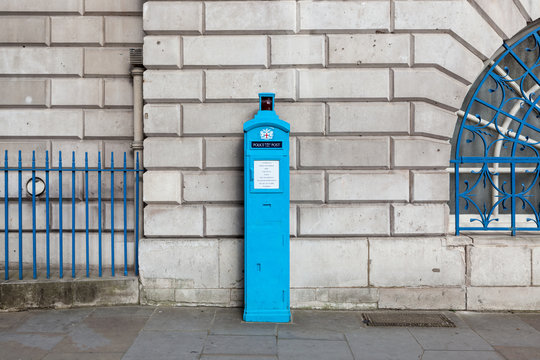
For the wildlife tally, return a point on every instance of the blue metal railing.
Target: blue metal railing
(37, 196)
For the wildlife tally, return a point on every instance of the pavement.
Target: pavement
(143, 332)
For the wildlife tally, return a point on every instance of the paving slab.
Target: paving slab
(289, 349)
(229, 322)
(384, 344)
(12, 319)
(238, 357)
(190, 319)
(240, 345)
(165, 345)
(449, 339)
(461, 355)
(531, 319)
(502, 329)
(320, 325)
(519, 353)
(54, 321)
(84, 356)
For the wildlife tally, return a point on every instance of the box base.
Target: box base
(282, 316)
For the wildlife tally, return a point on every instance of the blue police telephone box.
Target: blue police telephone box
(266, 215)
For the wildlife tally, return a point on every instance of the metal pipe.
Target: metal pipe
(137, 146)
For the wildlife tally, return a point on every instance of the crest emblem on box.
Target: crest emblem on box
(267, 134)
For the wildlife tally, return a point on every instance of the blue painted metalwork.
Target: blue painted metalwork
(125, 218)
(60, 220)
(99, 216)
(500, 138)
(37, 197)
(266, 214)
(47, 217)
(6, 218)
(19, 171)
(112, 214)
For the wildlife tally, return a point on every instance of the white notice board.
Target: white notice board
(266, 174)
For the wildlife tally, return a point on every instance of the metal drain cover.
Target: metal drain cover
(416, 319)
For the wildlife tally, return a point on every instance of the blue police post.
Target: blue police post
(266, 215)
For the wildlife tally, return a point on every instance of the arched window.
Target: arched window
(497, 146)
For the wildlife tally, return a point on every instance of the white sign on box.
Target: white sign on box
(266, 174)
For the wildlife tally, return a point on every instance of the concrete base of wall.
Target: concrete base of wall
(42, 293)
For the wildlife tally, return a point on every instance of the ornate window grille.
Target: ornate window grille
(497, 150)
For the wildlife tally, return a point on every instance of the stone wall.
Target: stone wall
(370, 90)
(65, 85)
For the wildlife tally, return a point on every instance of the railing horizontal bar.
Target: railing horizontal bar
(71, 169)
(504, 160)
(463, 170)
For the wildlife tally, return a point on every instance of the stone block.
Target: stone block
(203, 297)
(344, 15)
(500, 266)
(108, 123)
(80, 148)
(428, 84)
(118, 148)
(345, 152)
(503, 298)
(24, 29)
(231, 261)
(464, 21)
(368, 185)
(292, 153)
(41, 61)
(150, 296)
(251, 16)
(420, 219)
(195, 262)
(117, 6)
(216, 118)
(369, 117)
(32, 6)
(23, 92)
(172, 17)
(77, 30)
(344, 84)
(532, 7)
(430, 186)
(77, 92)
(246, 84)
(293, 221)
(420, 152)
(226, 152)
(123, 30)
(170, 220)
(161, 51)
(305, 118)
(162, 187)
(348, 259)
(505, 14)
(214, 186)
(246, 50)
(446, 298)
(172, 153)
(42, 123)
(298, 50)
(344, 220)
(462, 62)
(432, 120)
(360, 49)
(344, 298)
(307, 186)
(26, 148)
(105, 61)
(162, 119)
(224, 220)
(118, 92)
(415, 262)
(535, 266)
(164, 85)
